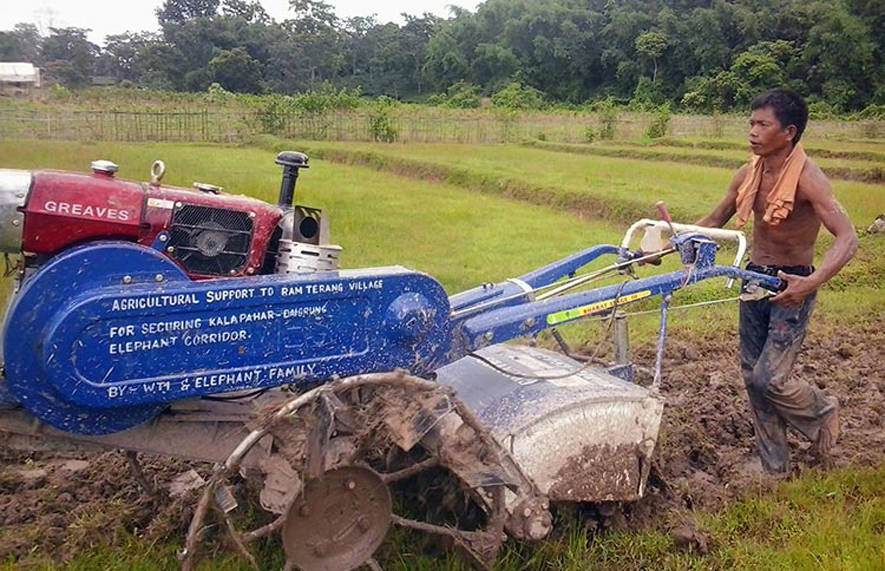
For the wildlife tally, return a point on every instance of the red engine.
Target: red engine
(208, 232)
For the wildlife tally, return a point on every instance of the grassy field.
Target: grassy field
(497, 212)
(846, 165)
(628, 185)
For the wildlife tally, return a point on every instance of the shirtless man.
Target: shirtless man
(772, 328)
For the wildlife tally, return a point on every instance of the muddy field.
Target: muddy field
(60, 505)
(706, 455)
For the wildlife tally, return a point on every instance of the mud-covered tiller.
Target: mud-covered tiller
(214, 327)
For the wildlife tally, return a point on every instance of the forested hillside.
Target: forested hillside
(697, 55)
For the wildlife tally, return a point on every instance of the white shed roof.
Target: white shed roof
(18, 71)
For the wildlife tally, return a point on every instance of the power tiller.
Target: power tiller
(210, 326)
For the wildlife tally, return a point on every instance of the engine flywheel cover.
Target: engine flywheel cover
(339, 520)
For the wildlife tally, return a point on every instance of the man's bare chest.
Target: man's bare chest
(765, 186)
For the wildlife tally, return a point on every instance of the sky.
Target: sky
(106, 17)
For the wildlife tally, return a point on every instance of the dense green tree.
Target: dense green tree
(652, 44)
(236, 70)
(839, 57)
(128, 56)
(23, 43)
(707, 54)
(68, 56)
(248, 11)
(180, 11)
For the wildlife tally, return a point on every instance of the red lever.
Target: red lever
(664, 213)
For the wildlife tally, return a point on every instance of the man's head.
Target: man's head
(777, 119)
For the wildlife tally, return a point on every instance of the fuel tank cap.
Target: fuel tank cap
(104, 167)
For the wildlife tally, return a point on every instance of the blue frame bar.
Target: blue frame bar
(534, 279)
(499, 324)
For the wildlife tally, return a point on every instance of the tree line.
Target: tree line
(704, 55)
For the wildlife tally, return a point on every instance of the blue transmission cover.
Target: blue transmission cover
(93, 348)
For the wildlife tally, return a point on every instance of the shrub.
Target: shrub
(821, 110)
(274, 114)
(648, 95)
(437, 99)
(381, 120)
(515, 95)
(276, 111)
(660, 122)
(508, 119)
(216, 93)
(462, 95)
(326, 97)
(608, 117)
(60, 93)
(875, 112)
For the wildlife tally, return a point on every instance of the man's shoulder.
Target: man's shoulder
(739, 176)
(811, 172)
(812, 179)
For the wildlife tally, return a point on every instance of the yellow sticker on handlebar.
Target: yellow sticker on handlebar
(576, 312)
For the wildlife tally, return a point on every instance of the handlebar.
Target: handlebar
(714, 233)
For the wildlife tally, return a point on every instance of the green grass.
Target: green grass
(616, 189)
(863, 169)
(867, 150)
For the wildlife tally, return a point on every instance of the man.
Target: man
(790, 198)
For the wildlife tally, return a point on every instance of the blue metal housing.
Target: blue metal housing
(89, 353)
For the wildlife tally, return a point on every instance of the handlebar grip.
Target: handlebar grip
(769, 282)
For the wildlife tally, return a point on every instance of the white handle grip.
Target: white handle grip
(714, 233)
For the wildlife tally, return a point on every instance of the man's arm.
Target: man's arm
(814, 187)
(728, 206)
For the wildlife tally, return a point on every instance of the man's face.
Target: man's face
(767, 135)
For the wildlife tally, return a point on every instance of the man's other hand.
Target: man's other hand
(653, 260)
(798, 288)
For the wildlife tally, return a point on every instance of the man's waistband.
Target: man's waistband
(773, 270)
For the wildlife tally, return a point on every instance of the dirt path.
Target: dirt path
(61, 505)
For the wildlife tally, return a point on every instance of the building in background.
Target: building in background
(18, 78)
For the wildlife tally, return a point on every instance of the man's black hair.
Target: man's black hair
(788, 107)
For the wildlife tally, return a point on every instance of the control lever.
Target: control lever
(665, 215)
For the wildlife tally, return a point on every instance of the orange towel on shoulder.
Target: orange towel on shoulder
(782, 195)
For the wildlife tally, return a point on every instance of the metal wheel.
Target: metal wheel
(336, 450)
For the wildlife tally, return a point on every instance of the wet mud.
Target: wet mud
(706, 454)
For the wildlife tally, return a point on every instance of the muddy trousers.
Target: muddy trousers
(771, 336)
